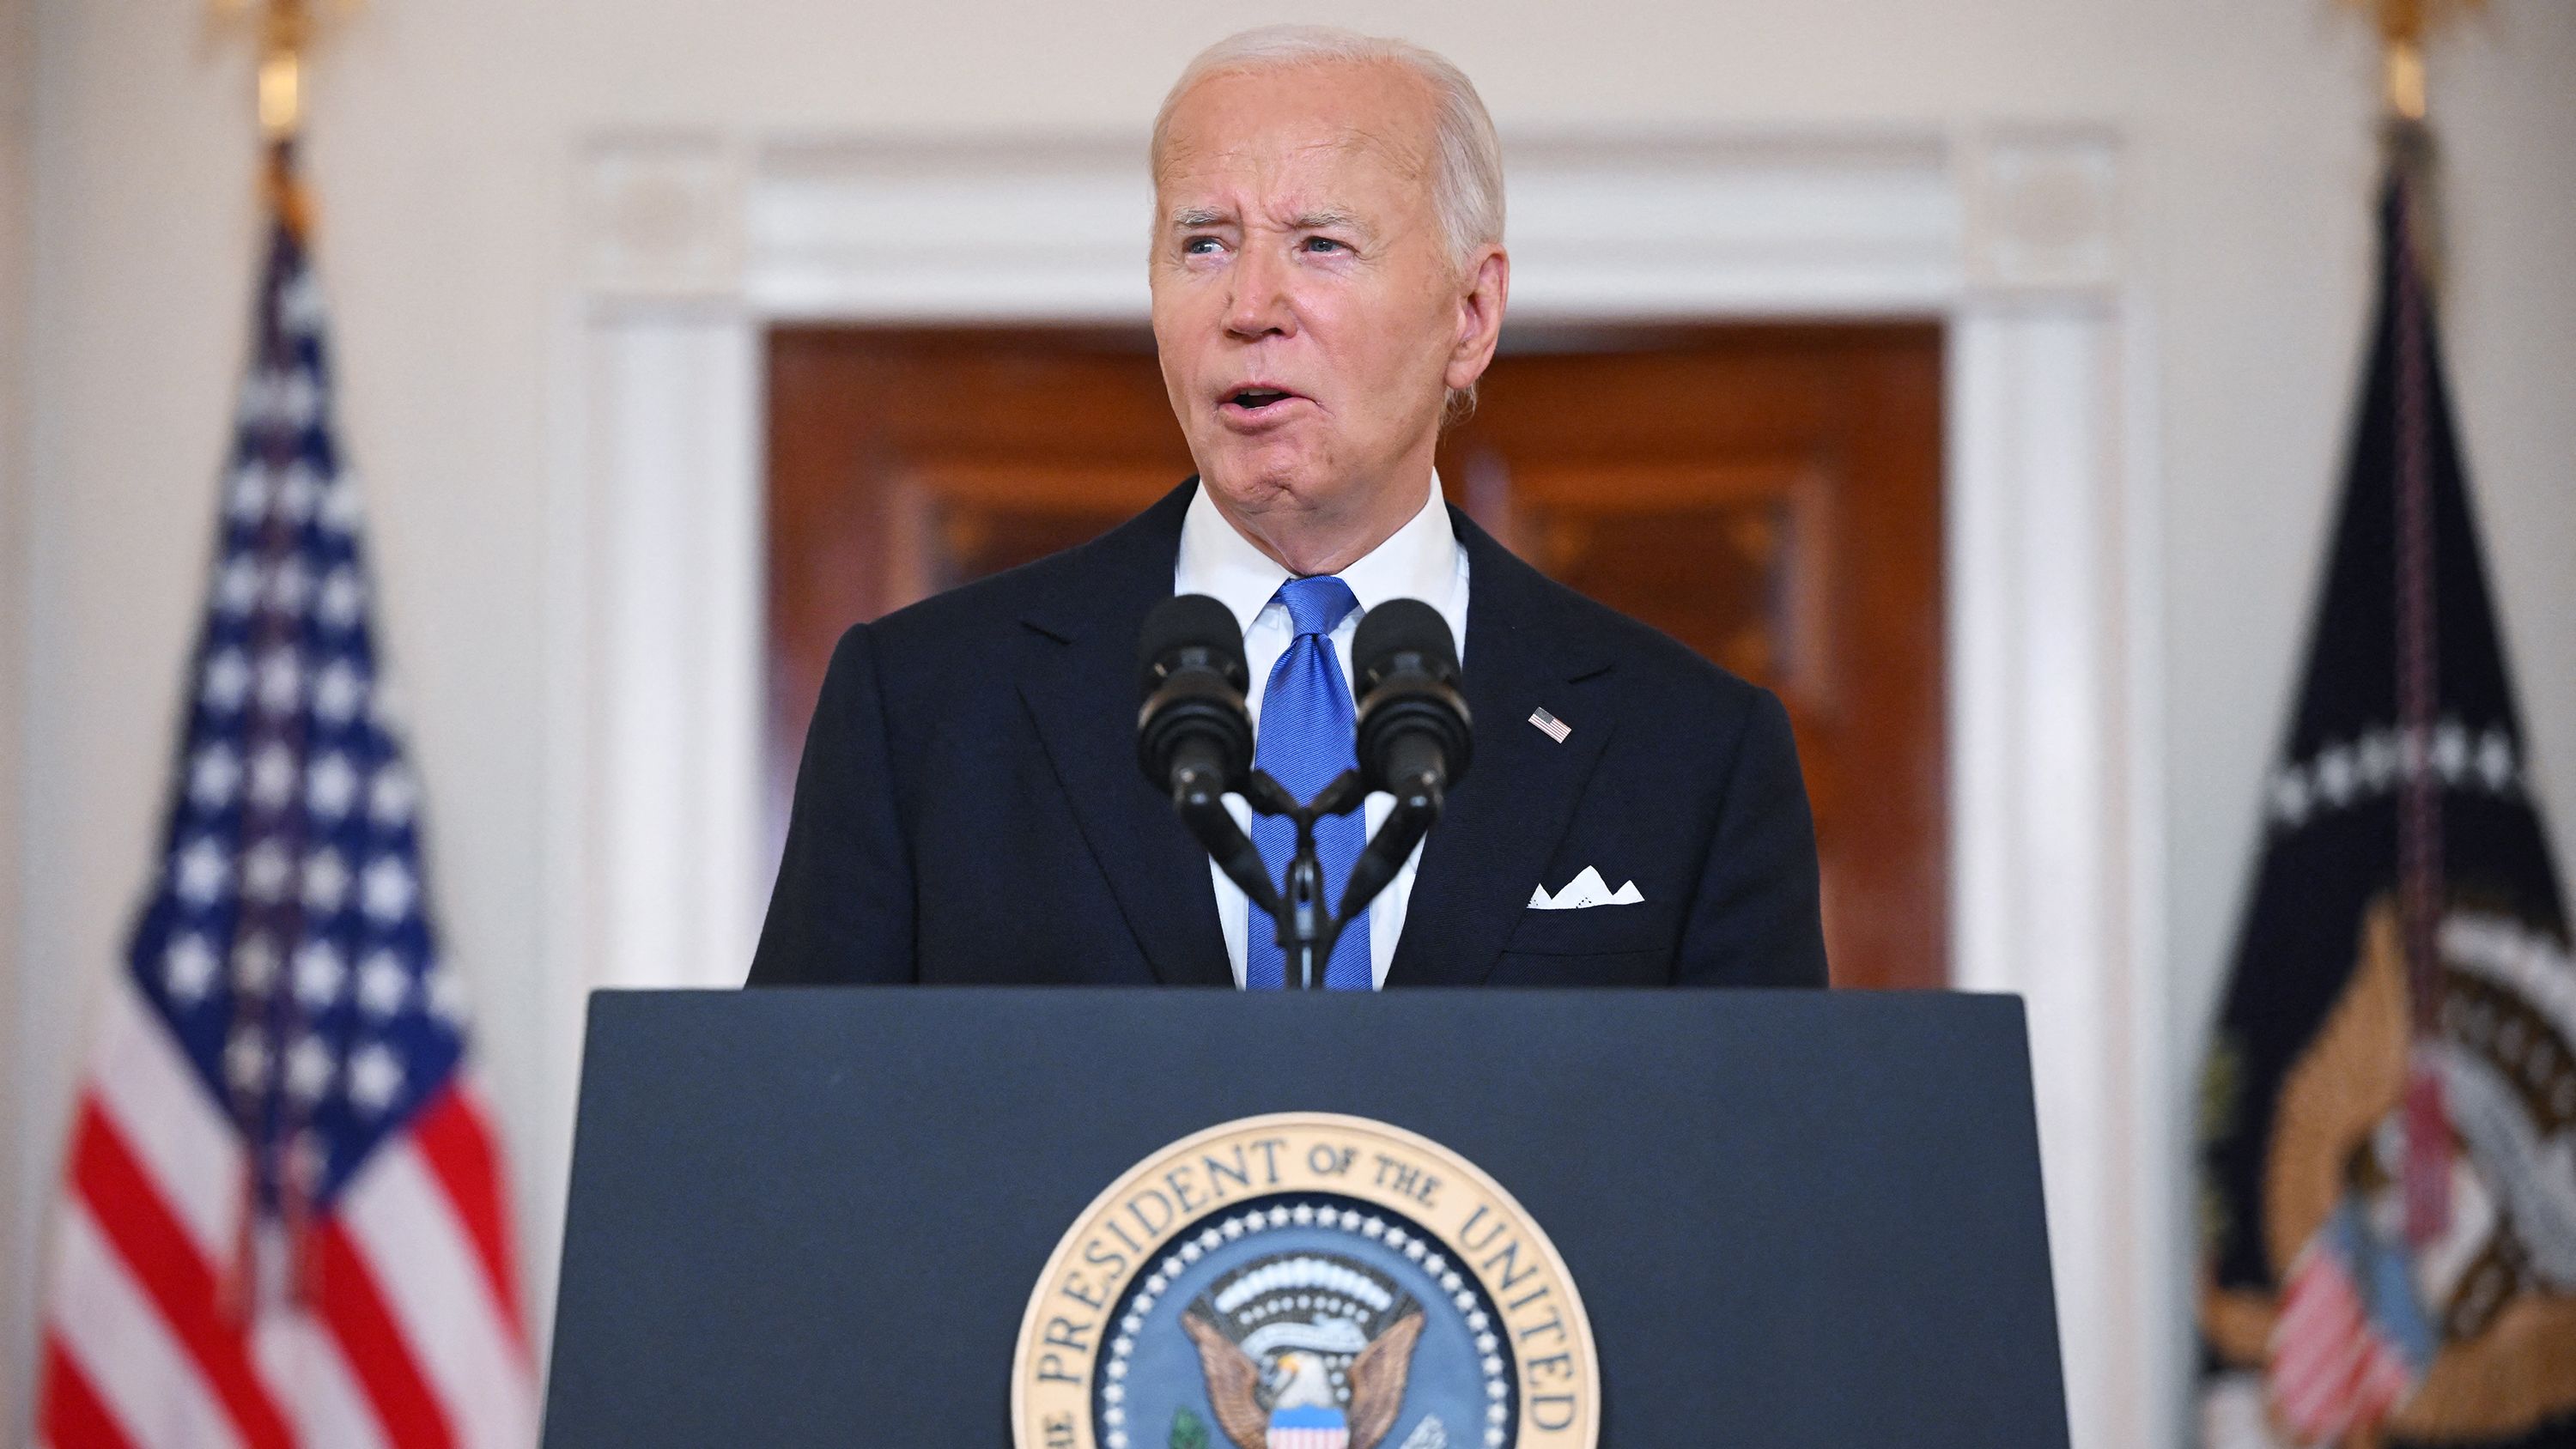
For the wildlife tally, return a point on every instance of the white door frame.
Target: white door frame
(687, 246)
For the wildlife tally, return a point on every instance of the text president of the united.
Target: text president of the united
(1328, 283)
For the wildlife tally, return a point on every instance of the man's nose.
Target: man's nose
(1260, 305)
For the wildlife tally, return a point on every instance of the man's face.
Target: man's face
(1306, 309)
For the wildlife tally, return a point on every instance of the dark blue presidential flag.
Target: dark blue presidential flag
(2387, 1145)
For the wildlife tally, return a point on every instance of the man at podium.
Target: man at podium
(1328, 280)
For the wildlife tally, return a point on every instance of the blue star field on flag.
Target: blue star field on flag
(286, 943)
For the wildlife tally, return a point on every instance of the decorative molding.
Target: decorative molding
(1600, 228)
(660, 216)
(1741, 227)
(2044, 209)
(2010, 237)
(1046, 230)
(674, 523)
(2041, 743)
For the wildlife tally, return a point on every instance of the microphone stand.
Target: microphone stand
(1195, 734)
(1307, 928)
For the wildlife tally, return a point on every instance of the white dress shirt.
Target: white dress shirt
(1422, 560)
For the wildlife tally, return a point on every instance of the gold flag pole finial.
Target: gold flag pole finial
(284, 27)
(286, 31)
(2404, 25)
(2401, 46)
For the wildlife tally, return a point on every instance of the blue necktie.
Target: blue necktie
(1307, 738)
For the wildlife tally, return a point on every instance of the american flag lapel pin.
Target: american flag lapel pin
(1550, 726)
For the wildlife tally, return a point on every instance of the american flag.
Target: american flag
(283, 1220)
(2351, 1342)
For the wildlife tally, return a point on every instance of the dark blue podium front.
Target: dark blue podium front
(815, 1217)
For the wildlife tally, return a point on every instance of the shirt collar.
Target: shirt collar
(1417, 561)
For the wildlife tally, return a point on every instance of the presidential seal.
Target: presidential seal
(1305, 1281)
(2466, 1332)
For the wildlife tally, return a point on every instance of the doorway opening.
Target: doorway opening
(1769, 494)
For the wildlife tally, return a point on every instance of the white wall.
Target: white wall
(17, 214)
(444, 136)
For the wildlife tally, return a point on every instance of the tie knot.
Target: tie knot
(1317, 605)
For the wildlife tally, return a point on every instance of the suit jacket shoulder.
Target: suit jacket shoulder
(968, 808)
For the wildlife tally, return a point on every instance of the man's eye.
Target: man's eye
(1198, 246)
(1324, 244)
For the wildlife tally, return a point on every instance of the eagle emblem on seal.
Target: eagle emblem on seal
(1305, 1350)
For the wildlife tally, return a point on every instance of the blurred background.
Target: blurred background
(1978, 375)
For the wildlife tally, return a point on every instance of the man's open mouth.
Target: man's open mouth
(1254, 399)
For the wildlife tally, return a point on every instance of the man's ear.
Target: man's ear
(1480, 317)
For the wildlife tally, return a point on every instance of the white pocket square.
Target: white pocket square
(1587, 889)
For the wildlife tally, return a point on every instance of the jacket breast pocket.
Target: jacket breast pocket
(1592, 931)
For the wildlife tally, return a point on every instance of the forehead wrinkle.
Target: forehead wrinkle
(1407, 162)
(1267, 157)
(1295, 201)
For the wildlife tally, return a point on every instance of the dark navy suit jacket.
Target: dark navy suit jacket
(969, 809)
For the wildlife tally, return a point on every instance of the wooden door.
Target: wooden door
(1769, 495)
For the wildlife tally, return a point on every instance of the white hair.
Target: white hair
(1467, 179)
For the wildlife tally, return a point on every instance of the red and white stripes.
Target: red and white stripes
(2331, 1368)
(411, 1333)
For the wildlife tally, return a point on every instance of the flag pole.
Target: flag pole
(285, 32)
(2407, 139)
(285, 28)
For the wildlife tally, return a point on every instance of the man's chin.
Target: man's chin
(1266, 479)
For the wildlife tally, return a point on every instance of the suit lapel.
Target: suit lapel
(1505, 820)
(1080, 690)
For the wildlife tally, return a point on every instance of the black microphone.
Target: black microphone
(1414, 741)
(1194, 733)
